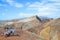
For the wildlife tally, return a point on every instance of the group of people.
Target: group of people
(9, 32)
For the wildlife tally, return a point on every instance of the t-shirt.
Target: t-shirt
(12, 30)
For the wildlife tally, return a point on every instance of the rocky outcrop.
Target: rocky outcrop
(28, 23)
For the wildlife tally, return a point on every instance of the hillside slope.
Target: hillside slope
(54, 30)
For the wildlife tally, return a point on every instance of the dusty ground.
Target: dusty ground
(23, 36)
(10, 38)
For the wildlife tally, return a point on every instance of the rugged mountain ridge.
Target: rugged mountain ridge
(47, 29)
(25, 19)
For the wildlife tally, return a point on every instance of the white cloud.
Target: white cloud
(15, 4)
(28, 3)
(3, 14)
(45, 8)
(11, 2)
(25, 14)
(55, 0)
(2, 5)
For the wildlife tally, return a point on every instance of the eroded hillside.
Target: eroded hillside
(32, 28)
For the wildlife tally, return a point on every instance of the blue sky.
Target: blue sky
(12, 9)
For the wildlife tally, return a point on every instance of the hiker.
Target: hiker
(12, 31)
